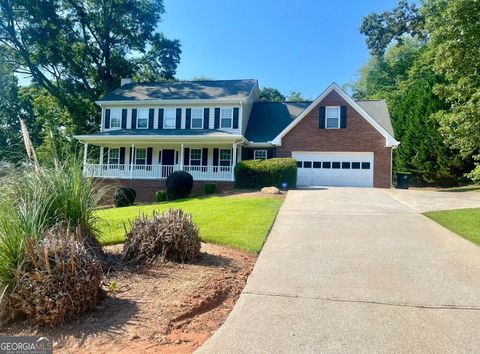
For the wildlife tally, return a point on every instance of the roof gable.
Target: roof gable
(389, 139)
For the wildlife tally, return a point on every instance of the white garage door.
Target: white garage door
(354, 169)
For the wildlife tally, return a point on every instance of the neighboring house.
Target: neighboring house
(149, 130)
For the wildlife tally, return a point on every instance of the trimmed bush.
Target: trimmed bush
(266, 173)
(179, 185)
(167, 236)
(160, 196)
(210, 188)
(124, 196)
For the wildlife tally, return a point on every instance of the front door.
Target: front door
(168, 160)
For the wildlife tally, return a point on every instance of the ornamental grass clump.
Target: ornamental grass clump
(169, 236)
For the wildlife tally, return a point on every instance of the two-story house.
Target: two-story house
(149, 130)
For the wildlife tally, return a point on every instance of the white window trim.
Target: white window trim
(119, 110)
(136, 156)
(339, 117)
(220, 157)
(202, 119)
(231, 119)
(165, 118)
(255, 153)
(190, 157)
(118, 158)
(138, 116)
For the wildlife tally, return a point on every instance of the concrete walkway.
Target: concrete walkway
(356, 271)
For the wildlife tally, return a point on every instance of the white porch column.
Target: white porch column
(234, 159)
(181, 157)
(101, 156)
(132, 160)
(85, 151)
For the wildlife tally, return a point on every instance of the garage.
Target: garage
(352, 169)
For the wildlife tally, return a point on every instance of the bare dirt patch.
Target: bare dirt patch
(169, 308)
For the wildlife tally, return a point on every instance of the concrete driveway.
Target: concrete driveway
(357, 271)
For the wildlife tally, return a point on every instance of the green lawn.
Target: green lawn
(464, 222)
(241, 222)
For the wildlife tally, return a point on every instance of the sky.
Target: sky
(302, 45)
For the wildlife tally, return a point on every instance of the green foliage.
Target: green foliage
(124, 196)
(270, 94)
(210, 188)
(266, 173)
(296, 96)
(179, 185)
(160, 196)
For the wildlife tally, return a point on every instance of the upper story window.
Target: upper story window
(115, 118)
(197, 118)
(260, 154)
(169, 118)
(333, 117)
(113, 156)
(226, 117)
(142, 119)
(140, 156)
(225, 157)
(195, 157)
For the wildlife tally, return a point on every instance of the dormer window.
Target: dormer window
(115, 118)
(197, 118)
(333, 117)
(142, 119)
(226, 118)
(170, 117)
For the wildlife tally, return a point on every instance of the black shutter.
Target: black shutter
(270, 153)
(124, 119)
(134, 118)
(160, 157)
(321, 118)
(204, 156)
(150, 118)
(188, 118)
(160, 118)
(206, 118)
(186, 157)
(105, 156)
(132, 152)
(215, 156)
(343, 117)
(250, 154)
(235, 118)
(217, 118)
(122, 156)
(178, 122)
(149, 156)
(107, 119)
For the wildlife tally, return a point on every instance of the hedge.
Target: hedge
(266, 173)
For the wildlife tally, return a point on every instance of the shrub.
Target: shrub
(266, 173)
(210, 188)
(57, 282)
(179, 185)
(167, 236)
(160, 196)
(124, 196)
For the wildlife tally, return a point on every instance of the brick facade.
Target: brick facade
(359, 136)
(146, 188)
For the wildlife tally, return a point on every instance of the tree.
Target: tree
(296, 96)
(270, 94)
(77, 50)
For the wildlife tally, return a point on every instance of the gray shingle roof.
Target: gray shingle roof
(183, 90)
(163, 132)
(379, 111)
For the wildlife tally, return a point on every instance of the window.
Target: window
(307, 164)
(142, 119)
(333, 117)
(115, 118)
(260, 154)
(140, 156)
(326, 164)
(169, 118)
(113, 156)
(299, 164)
(317, 164)
(355, 165)
(197, 118)
(195, 157)
(225, 157)
(226, 117)
(335, 164)
(346, 165)
(365, 165)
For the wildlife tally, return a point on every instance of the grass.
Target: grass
(464, 222)
(241, 222)
(462, 189)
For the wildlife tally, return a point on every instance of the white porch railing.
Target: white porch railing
(199, 173)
